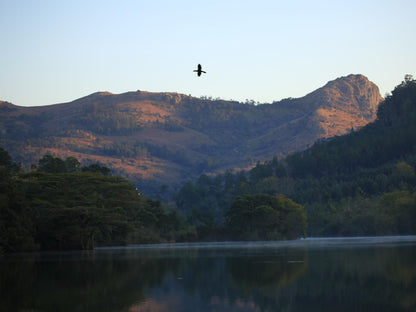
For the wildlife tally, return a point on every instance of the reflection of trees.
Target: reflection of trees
(224, 280)
(333, 279)
(373, 279)
(112, 283)
(263, 272)
(262, 278)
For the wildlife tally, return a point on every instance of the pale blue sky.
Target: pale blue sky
(57, 51)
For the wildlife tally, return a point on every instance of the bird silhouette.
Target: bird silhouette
(199, 70)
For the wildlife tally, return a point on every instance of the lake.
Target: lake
(325, 274)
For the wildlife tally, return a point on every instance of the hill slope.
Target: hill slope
(170, 137)
(362, 183)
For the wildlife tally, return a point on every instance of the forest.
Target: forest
(363, 183)
(61, 205)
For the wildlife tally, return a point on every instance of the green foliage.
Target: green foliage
(97, 168)
(265, 217)
(65, 206)
(5, 159)
(77, 210)
(343, 183)
(400, 208)
(16, 227)
(211, 195)
(391, 136)
(51, 164)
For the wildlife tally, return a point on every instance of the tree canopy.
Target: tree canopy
(265, 217)
(343, 183)
(62, 205)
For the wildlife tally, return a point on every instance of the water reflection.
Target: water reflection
(349, 275)
(80, 282)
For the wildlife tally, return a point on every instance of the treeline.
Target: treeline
(265, 217)
(28, 126)
(363, 183)
(107, 119)
(124, 149)
(62, 205)
(232, 121)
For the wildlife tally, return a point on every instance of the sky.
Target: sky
(57, 51)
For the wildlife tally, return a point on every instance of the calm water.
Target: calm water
(359, 274)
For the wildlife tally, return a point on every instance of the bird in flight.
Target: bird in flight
(199, 70)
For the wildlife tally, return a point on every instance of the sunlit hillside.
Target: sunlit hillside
(167, 138)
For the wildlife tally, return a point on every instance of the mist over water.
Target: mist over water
(314, 274)
(309, 242)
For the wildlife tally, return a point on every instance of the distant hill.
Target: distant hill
(362, 183)
(167, 138)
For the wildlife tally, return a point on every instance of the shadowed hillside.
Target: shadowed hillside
(362, 183)
(167, 138)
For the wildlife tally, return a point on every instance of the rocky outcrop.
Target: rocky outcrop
(345, 104)
(169, 137)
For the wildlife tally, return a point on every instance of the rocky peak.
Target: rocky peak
(353, 93)
(343, 104)
(170, 137)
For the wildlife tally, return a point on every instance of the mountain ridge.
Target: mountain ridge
(170, 137)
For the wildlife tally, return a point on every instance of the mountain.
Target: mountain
(167, 138)
(361, 183)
